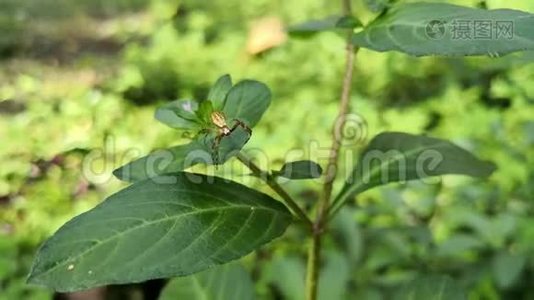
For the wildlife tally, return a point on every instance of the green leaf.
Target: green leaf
(302, 169)
(348, 234)
(444, 29)
(179, 114)
(330, 23)
(188, 114)
(507, 268)
(228, 147)
(348, 22)
(399, 157)
(287, 273)
(431, 287)
(166, 226)
(178, 158)
(174, 159)
(334, 276)
(458, 244)
(247, 101)
(219, 90)
(205, 109)
(377, 6)
(230, 281)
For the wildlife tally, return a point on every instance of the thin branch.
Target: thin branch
(332, 166)
(331, 169)
(271, 182)
(312, 268)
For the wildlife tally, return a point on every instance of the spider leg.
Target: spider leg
(214, 145)
(242, 125)
(215, 149)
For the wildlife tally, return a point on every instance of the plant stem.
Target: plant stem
(271, 182)
(312, 268)
(331, 169)
(314, 254)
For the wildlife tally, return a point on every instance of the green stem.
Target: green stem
(271, 182)
(336, 206)
(313, 266)
(321, 220)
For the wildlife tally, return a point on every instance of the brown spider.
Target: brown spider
(219, 120)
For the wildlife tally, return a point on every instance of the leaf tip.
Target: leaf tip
(160, 113)
(118, 173)
(226, 78)
(33, 277)
(488, 169)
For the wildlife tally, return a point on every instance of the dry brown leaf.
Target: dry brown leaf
(264, 34)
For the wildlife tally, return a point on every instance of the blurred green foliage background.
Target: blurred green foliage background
(79, 82)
